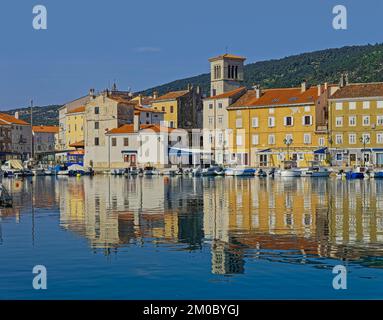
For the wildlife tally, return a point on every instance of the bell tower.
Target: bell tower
(226, 73)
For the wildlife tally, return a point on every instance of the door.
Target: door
(352, 159)
(379, 159)
(133, 160)
(263, 160)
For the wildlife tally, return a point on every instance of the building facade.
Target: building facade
(274, 125)
(74, 131)
(356, 125)
(44, 141)
(21, 135)
(183, 109)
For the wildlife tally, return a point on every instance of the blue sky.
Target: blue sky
(143, 43)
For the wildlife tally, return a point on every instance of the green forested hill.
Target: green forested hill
(363, 63)
(46, 115)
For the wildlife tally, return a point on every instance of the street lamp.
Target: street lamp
(364, 140)
(288, 142)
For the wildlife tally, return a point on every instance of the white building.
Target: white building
(21, 133)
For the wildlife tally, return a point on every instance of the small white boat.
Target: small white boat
(240, 172)
(289, 169)
(315, 172)
(150, 171)
(196, 172)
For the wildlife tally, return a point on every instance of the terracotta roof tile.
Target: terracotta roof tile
(227, 56)
(77, 110)
(276, 97)
(171, 95)
(359, 90)
(156, 128)
(10, 119)
(47, 129)
(228, 94)
(126, 128)
(78, 144)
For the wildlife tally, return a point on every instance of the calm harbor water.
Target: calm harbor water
(107, 237)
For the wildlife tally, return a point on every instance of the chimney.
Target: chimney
(258, 91)
(17, 115)
(319, 90)
(342, 81)
(140, 99)
(136, 121)
(325, 86)
(189, 87)
(155, 94)
(91, 92)
(198, 90)
(303, 86)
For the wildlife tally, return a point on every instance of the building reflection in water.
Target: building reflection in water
(290, 220)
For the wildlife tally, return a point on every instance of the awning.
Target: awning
(377, 149)
(366, 150)
(264, 151)
(129, 151)
(321, 151)
(173, 151)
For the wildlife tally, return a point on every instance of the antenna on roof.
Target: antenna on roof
(226, 48)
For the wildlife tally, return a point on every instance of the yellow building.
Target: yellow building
(74, 133)
(356, 125)
(183, 109)
(274, 125)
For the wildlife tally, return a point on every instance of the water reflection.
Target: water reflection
(290, 221)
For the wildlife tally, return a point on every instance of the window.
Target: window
(271, 110)
(254, 122)
(339, 157)
(307, 120)
(171, 124)
(339, 121)
(210, 106)
(321, 141)
(271, 139)
(238, 123)
(171, 109)
(307, 138)
(366, 120)
(352, 138)
(255, 139)
(339, 106)
(210, 120)
(126, 142)
(352, 106)
(147, 114)
(163, 109)
(220, 138)
(379, 120)
(114, 142)
(271, 122)
(288, 121)
(220, 120)
(219, 105)
(96, 141)
(366, 104)
(366, 138)
(338, 139)
(379, 138)
(239, 140)
(380, 104)
(352, 121)
(96, 110)
(238, 112)
(96, 125)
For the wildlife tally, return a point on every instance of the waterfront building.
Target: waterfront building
(44, 142)
(66, 110)
(107, 111)
(356, 125)
(273, 125)
(122, 145)
(5, 141)
(21, 135)
(183, 109)
(226, 87)
(74, 133)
